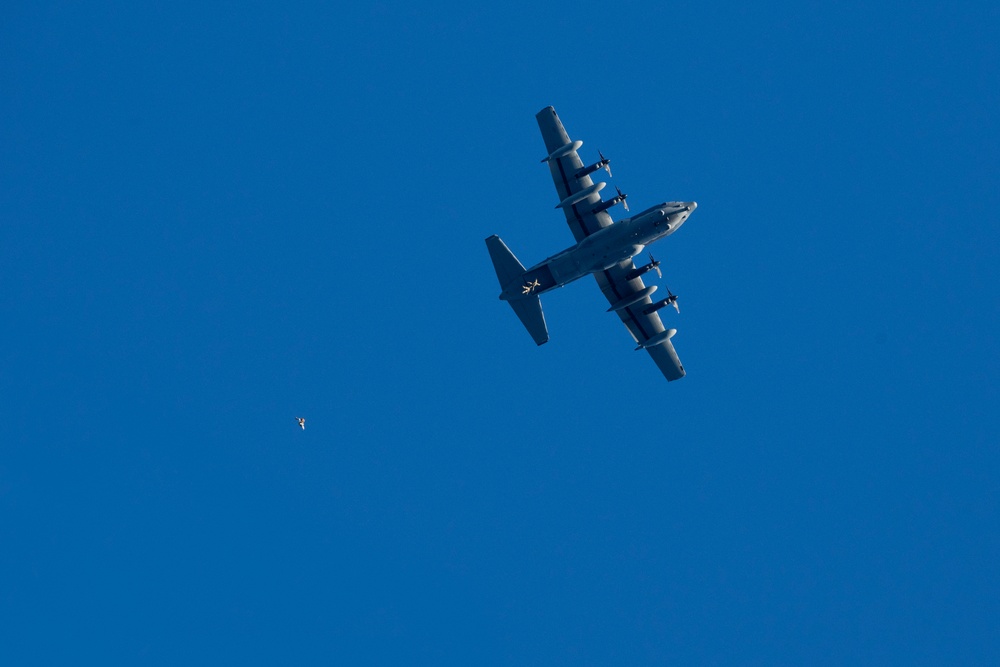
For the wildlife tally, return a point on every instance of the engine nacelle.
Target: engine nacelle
(636, 272)
(605, 205)
(591, 169)
(652, 308)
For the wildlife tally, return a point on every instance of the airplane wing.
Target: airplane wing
(642, 326)
(582, 222)
(564, 164)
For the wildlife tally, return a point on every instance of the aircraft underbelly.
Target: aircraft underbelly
(598, 259)
(565, 268)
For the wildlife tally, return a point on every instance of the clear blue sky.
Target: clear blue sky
(215, 219)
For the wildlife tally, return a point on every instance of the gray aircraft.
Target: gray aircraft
(603, 247)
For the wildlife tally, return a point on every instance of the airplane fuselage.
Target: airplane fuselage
(601, 250)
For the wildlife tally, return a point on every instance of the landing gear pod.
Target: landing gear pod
(661, 337)
(635, 297)
(581, 195)
(563, 150)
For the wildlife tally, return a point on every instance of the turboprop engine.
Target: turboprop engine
(638, 271)
(669, 301)
(605, 205)
(604, 163)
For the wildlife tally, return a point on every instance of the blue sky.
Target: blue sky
(214, 219)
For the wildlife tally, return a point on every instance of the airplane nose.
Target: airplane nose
(692, 205)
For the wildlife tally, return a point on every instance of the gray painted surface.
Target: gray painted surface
(603, 248)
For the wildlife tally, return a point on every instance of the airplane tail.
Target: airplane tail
(527, 309)
(507, 266)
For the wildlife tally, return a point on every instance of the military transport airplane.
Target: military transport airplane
(603, 247)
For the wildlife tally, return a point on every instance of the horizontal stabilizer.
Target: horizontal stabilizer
(506, 265)
(529, 311)
(509, 269)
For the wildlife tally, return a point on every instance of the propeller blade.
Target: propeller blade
(607, 163)
(656, 266)
(673, 300)
(622, 198)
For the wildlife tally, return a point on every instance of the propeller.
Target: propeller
(622, 197)
(672, 299)
(656, 266)
(606, 162)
